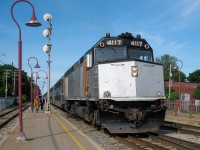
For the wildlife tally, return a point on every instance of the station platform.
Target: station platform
(47, 132)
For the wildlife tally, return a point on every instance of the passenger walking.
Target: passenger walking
(36, 103)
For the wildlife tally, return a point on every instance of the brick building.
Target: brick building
(186, 87)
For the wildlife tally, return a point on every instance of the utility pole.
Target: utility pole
(6, 76)
(14, 75)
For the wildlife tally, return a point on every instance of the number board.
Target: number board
(137, 43)
(114, 42)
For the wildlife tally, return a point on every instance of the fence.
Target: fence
(5, 103)
(192, 106)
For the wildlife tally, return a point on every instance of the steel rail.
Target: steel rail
(6, 121)
(175, 142)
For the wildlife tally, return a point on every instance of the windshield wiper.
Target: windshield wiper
(101, 51)
(114, 50)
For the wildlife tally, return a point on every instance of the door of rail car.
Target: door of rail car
(65, 88)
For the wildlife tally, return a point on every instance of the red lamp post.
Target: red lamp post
(36, 66)
(38, 77)
(43, 82)
(33, 23)
(36, 89)
(44, 72)
(44, 79)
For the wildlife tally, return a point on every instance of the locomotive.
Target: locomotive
(116, 85)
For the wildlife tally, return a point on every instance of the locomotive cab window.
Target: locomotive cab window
(109, 54)
(140, 54)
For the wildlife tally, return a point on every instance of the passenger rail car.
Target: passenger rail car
(115, 85)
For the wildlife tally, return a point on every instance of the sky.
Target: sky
(170, 27)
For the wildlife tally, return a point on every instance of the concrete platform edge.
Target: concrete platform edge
(97, 146)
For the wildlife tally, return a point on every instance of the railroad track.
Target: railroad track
(182, 128)
(6, 117)
(174, 142)
(153, 141)
(139, 144)
(157, 141)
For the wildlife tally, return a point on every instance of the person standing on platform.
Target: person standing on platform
(36, 103)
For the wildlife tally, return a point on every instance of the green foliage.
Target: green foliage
(10, 81)
(24, 98)
(173, 94)
(197, 92)
(166, 60)
(4, 77)
(15, 101)
(175, 76)
(2, 91)
(194, 76)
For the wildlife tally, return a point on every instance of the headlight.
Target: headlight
(159, 93)
(106, 94)
(134, 71)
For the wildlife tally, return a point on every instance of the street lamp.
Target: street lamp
(170, 80)
(33, 23)
(43, 79)
(41, 85)
(45, 73)
(36, 86)
(44, 82)
(47, 49)
(179, 81)
(36, 66)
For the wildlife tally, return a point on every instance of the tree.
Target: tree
(175, 75)
(3, 79)
(10, 82)
(197, 92)
(194, 76)
(166, 60)
(174, 94)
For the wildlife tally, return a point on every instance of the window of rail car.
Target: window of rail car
(140, 54)
(109, 54)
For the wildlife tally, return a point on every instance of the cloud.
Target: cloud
(176, 16)
(189, 7)
(185, 14)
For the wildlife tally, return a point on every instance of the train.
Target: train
(116, 86)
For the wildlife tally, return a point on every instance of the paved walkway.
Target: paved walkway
(47, 132)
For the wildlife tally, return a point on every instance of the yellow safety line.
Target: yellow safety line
(80, 146)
